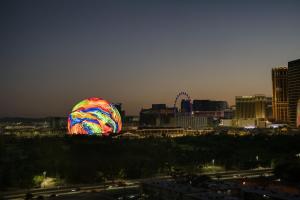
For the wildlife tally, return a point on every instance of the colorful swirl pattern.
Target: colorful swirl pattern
(94, 116)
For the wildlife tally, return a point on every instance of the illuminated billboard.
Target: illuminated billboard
(94, 116)
(298, 114)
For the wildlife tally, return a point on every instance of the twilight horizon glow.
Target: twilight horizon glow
(94, 116)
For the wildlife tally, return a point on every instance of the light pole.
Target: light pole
(44, 175)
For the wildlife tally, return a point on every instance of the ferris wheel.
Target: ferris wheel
(182, 96)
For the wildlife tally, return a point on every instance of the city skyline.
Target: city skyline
(55, 54)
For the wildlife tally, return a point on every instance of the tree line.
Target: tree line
(92, 159)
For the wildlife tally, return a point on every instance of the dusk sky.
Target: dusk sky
(56, 53)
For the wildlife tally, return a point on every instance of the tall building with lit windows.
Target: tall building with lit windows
(251, 107)
(280, 94)
(293, 90)
(252, 111)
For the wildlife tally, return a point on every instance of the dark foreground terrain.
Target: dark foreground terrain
(85, 160)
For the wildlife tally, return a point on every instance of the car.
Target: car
(132, 196)
(265, 196)
(121, 183)
(28, 196)
(53, 195)
(75, 189)
(110, 187)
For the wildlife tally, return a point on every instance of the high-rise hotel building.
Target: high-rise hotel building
(293, 90)
(280, 94)
(251, 107)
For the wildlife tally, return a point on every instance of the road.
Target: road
(78, 191)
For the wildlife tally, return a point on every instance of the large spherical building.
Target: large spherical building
(94, 116)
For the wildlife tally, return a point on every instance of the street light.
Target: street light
(44, 175)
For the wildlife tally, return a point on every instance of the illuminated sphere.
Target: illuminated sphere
(94, 116)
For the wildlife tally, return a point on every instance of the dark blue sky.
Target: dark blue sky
(56, 53)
